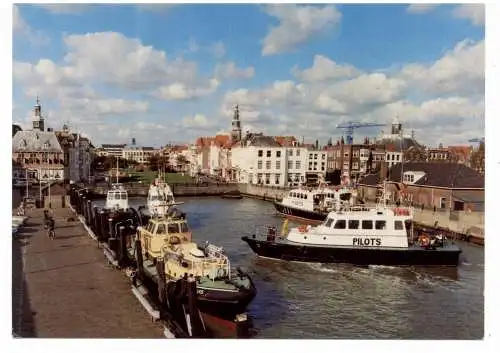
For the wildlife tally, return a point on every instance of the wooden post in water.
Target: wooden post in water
(83, 211)
(197, 327)
(89, 212)
(160, 268)
(138, 258)
(122, 246)
(96, 223)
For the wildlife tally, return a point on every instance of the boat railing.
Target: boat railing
(214, 260)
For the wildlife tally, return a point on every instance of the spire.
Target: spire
(38, 121)
(236, 124)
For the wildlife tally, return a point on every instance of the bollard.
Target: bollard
(160, 268)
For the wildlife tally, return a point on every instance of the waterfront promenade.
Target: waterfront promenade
(63, 288)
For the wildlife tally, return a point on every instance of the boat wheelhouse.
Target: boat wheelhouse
(160, 198)
(117, 197)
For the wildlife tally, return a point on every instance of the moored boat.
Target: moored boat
(222, 292)
(313, 205)
(359, 235)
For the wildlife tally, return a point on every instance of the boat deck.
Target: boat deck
(449, 246)
(62, 288)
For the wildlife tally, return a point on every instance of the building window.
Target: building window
(268, 178)
(310, 156)
(259, 178)
(278, 164)
(290, 164)
(260, 153)
(297, 164)
(397, 157)
(268, 164)
(442, 202)
(268, 153)
(277, 180)
(290, 153)
(315, 156)
(297, 152)
(278, 154)
(323, 156)
(259, 165)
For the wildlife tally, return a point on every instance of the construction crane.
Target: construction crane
(350, 126)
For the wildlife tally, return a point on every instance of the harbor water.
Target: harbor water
(299, 300)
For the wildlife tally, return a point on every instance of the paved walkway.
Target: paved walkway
(63, 288)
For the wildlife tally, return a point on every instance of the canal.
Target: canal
(297, 300)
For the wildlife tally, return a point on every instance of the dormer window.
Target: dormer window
(46, 144)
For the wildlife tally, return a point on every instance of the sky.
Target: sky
(170, 73)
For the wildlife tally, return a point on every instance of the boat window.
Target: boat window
(123, 196)
(346, 196)
(329, 222)
(161, 229)
(184, 227)
(353, 224)
(173, 228)
(398, 225)
(150, 227)
(379, 224)
(366, 224)
(111, 195)
(340, 224)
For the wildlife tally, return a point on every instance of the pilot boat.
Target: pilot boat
(117, 198)
(221, 292)
(313, 205)
(359, 235)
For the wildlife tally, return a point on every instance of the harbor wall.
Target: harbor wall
(268, 193)
(177, 189)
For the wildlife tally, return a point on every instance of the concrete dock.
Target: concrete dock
(63, 288)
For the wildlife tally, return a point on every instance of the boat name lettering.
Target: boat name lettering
(367, 241)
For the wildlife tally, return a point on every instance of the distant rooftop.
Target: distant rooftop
(35, 141)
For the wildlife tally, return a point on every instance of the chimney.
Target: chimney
(133, 141)
(49, 129)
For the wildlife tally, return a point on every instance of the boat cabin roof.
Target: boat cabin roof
(117, 195)
(309, 194)
(163, 226)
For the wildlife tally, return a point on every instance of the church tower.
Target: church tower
(236, 125)
(38, 121)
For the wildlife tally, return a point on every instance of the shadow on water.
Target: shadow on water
(23, 323)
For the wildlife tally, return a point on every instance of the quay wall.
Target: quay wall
(268, 193)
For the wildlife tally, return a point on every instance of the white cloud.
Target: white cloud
(217, 49)
(421, 8)
(198, 121)
(460, 70)
(297, 24)
(325, 69)
(182, 91)
(159, 8)
(431, 98)
(230, 71)
(472, 12)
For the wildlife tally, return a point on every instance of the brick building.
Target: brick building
(456, 187)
